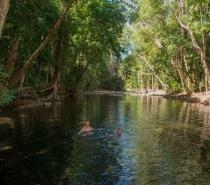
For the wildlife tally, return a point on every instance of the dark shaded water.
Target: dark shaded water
(163, 142)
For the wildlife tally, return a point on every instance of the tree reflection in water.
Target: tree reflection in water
(163, 142)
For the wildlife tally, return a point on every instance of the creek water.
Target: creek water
(163, 142)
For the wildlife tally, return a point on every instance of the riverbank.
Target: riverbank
(29, 101)
(200, 98)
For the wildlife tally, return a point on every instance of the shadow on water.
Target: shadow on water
(163, 142)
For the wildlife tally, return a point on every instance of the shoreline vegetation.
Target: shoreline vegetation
(26, 102)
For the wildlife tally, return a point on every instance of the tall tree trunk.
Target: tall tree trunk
(22, 80)
(184, 67)
(16, 78)
(4, 7)
(11, 60)
(196, 75)
(47, 74)
(180, 72)
(39, 69)
(57, 65)
(141, 81)
(203, 44)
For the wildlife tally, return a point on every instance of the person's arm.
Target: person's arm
(82, 130)
(97, 128)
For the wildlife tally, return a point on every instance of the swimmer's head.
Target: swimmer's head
(119, 132)
(87, 123)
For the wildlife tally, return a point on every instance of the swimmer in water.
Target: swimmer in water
(86, 129)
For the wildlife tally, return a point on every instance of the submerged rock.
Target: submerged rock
(5, 120)
(5, 148)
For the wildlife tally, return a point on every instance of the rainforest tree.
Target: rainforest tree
(173, 37)
(38, 49)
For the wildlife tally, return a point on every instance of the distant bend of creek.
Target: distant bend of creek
(164, 142)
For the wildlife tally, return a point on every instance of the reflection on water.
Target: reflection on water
(163, 142)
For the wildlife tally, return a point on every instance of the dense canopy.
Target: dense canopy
(116, 45)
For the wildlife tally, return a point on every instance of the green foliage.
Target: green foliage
(156, 23)
(90, 31)
(95, 34)
(30, 21)
(96, 27)
(6, 95)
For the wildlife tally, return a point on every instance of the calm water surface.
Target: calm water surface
(163, 142)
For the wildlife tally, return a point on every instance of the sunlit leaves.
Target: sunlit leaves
(156, 22)
(97, 25)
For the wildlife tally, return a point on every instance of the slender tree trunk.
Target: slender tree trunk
(148, 85)
(16, 78)
(141, 81)
(148, 64)
(22, 80)
(4, 7)
(184, 68)
(151, 35)
(179, 67)
(82, 71)
(207, 80)
(47, 74)
(57, 65)
(182, 71)
(11, 60)
(39, 68)
(196, 76)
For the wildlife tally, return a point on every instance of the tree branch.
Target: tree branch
(195, 44)
(28, 63)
